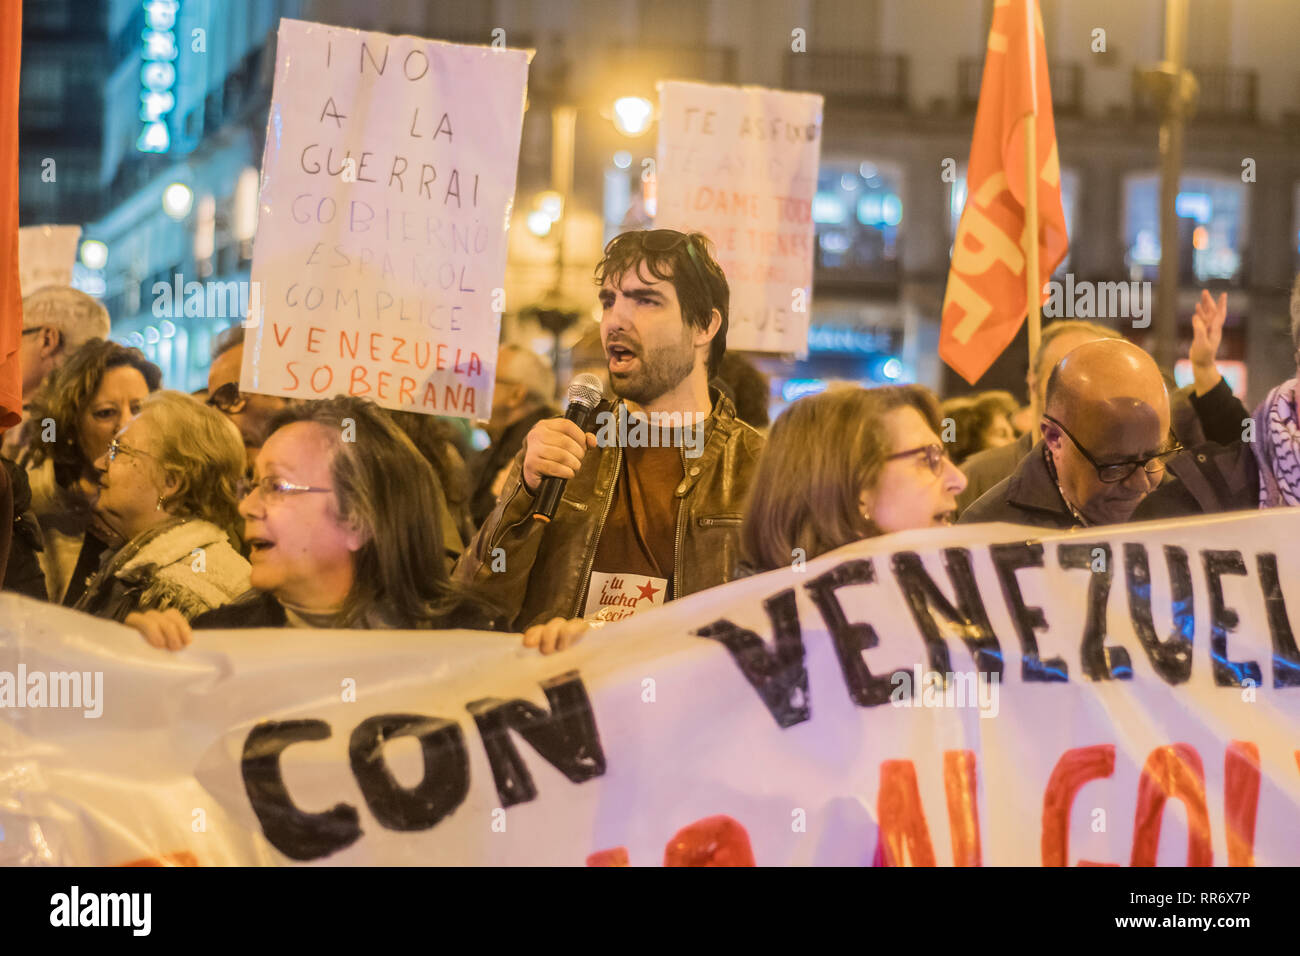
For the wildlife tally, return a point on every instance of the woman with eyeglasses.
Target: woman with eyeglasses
(167, 491)
(342, 523)
(847, 464)
(74, 416)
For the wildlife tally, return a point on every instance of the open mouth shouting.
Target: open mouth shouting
(257, 546)
(621, 358)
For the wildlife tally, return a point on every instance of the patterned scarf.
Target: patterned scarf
(1277, 446)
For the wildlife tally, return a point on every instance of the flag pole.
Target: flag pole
(1033, 287)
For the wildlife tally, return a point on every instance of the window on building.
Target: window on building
(858, 212)
(49, 15)
(628, 198)
(1069, 205)
(666, 22)
(846, 24)
(42, 86)
(1213, 218)
(464, 18)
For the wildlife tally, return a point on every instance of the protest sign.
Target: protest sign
(740, 165)
(977, 695)
(46, 255)
(387, 182)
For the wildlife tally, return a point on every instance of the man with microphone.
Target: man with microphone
(654, 490)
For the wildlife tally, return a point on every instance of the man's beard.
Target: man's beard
(659, 372)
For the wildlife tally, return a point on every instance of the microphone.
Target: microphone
(585, 393)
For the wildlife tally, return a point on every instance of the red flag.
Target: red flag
(985, 301)
(11, 299)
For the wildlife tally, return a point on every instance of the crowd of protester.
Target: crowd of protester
(173, 513)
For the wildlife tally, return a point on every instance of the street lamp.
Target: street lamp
(177, 200)
(551, 202)
(94, 254)
(632, 115)
(539, 223)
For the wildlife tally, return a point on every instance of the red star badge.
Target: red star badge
(648, 591)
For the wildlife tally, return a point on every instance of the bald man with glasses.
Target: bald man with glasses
(1106, 444)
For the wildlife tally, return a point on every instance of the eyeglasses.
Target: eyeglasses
(115, 448)
(228, 398)
(666, 240)
(935, 456)
(273, 489)
(1118, 471)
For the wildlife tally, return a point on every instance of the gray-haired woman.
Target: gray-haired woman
(167, 488)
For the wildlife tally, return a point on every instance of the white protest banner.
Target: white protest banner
(387, 182)
(740, 165)
(46, 255)
(976, 695)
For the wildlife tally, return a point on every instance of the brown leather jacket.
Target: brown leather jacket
(542, 569)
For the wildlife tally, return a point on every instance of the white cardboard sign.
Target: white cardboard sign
(387, 182)
(740, 165)
(46, 255)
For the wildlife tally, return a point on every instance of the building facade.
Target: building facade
(900, 79)
(60, 110)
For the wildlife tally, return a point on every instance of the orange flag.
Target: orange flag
(986, 301)
(11, 299)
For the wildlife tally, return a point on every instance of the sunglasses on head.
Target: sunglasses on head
(667, 240)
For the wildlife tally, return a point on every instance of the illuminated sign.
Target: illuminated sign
(157, 75)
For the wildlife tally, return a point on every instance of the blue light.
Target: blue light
(891, 210)
(154, 138)
(157, 75)
(161, 14)
(870, 209)
(830, 338)
(1196, 206)
(156, 105)
(892, 369)
(827, 208)
(159, 46)
(796, 388)
(832, 240)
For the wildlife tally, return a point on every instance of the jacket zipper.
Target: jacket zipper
(600, 526)
(503, 531)
(677, 538)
